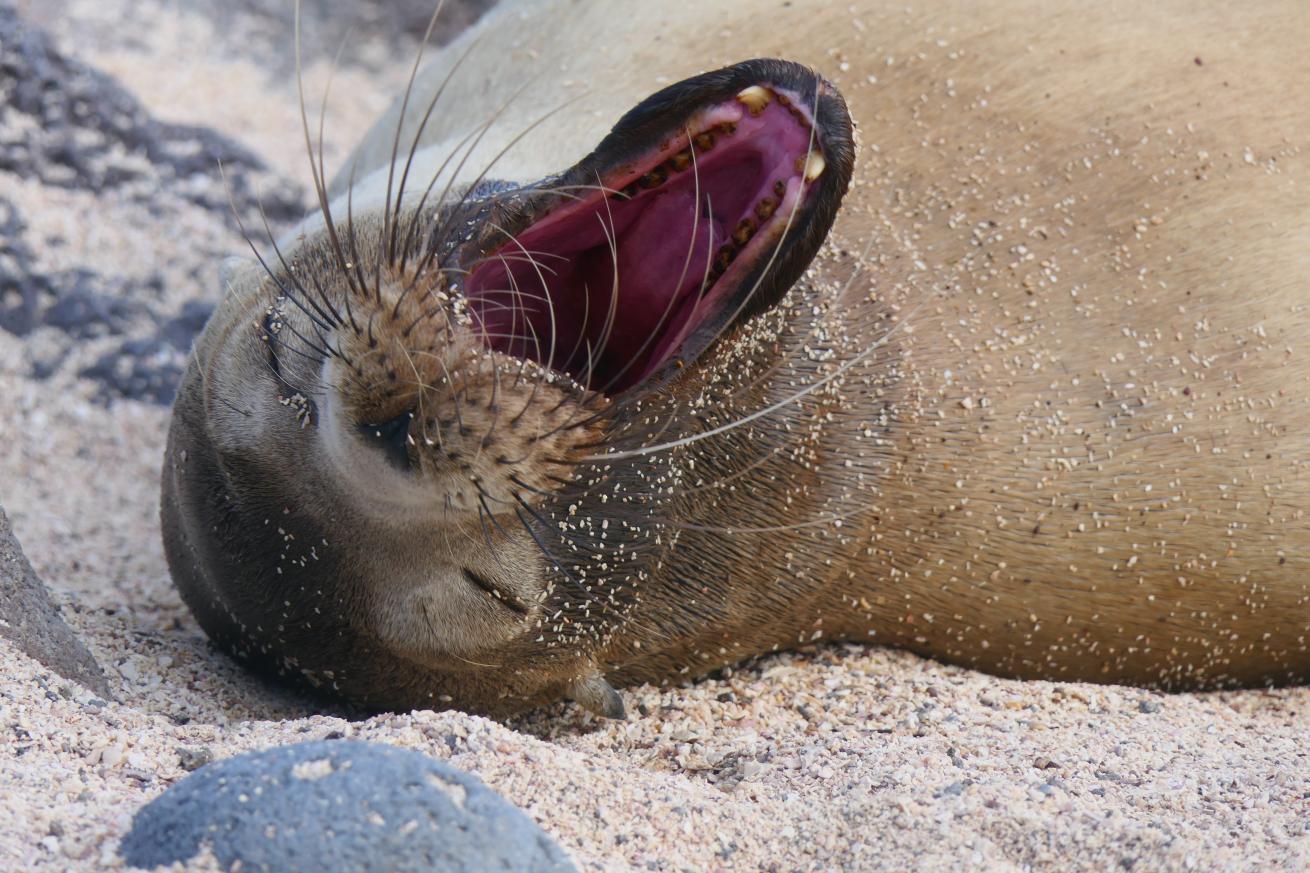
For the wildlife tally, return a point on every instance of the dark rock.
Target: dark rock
(1148, 706)
(83, 312)
(85, 305)
(30, 619)
(182, 328)
(190, 759)
(83, 130)
(339, 806)
(65, 125)
(21, 288)
(142, 369)
(81, 303)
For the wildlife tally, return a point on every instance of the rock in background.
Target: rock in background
(31, 620)
(73, 138)
(64, 126)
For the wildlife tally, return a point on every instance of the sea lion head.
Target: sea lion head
(406, 464)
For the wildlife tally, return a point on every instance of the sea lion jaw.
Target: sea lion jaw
(698, 211)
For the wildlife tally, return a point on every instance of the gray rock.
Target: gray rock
(66, 125)
(70, 126)
(339, 806)
(31, 620)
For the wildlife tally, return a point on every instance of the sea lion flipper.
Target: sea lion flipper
(594, 694)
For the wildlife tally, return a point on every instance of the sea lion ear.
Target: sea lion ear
(228, 269)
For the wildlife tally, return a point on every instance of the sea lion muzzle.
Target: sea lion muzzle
(699, 210)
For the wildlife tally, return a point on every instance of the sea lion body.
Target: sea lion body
(1069, 288)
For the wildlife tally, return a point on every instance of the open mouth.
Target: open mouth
(640, 260)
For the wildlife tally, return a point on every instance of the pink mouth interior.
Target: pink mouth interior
(691, 218)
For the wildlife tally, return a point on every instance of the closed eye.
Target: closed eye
(392, 438)
(509, 601)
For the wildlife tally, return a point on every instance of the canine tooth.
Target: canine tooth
(755, 98)
(814, 166)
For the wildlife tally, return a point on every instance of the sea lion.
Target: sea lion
(527, 410)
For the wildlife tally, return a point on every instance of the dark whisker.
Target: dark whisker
(328, 321)
(317, 167)
(413, 148)
(388, 234)
(442, 240)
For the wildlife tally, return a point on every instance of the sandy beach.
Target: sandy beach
(833, 758)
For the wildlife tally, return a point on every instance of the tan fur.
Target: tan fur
(1090, 225)
(1099, 218)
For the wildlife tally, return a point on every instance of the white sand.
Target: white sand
(837, 759)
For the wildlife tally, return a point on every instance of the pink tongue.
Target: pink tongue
(652, 257)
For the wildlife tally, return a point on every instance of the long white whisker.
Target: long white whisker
(760, 413)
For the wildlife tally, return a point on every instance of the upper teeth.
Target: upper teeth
(755, 98)
(814, 166)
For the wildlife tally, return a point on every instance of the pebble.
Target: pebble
(339, 807)
(194, 758)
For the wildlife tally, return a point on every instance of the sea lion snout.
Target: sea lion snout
(698, 211)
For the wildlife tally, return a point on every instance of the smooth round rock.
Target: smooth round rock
(339, 806)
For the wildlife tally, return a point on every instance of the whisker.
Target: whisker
(514, 320)
(388, 234)
(355, 260)
(442, 240)
(550, 308)
(330, 322)
(786, 228)
(317, 169)
(418, 136)
(773, 407)
(582, 589)
(815, 522)
(286, 292)
(611, 315)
